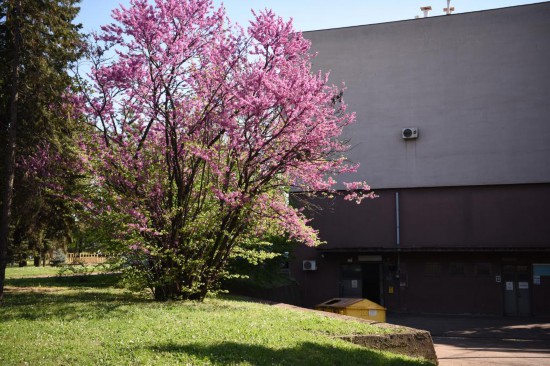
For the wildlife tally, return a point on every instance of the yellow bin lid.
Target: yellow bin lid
(354, 303)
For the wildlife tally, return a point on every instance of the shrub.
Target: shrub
(58, 257)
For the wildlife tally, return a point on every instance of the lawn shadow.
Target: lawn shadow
(306, 353)
(65, 298)
(66, 306)
(92, 280)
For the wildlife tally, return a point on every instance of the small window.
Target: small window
(483, 269)
(432, 269)
(523, 269)
(509, 269)
(456, 269)
(541, 270)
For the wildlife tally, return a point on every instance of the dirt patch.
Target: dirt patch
(415, 344)
(49, 289)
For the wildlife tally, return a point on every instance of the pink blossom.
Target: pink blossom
(201, 128)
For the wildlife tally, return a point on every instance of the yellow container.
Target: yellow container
(359, 308)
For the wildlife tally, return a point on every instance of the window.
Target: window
(456, 269)
(432, 269)
(483, 269)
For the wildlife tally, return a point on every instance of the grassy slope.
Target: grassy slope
(87, 321)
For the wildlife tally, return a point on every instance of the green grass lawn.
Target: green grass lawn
(31, 271)
(87, 320)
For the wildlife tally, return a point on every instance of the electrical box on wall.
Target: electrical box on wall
(409, 133)
(309, 265)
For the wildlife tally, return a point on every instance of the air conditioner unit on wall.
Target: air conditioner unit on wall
(409, 133)
(309, 265)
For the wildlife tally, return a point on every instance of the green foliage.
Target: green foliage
(134, 277)
(262, 263)
(84, 320)
(90, 235)
(50, 43)
(255, 263)
(83, 269)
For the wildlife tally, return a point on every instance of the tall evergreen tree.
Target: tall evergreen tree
(38, 42)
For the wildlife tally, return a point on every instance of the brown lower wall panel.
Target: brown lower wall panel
(439, 283)
(541, 298)
(497, 217)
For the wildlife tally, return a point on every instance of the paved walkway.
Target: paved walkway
(475, 341)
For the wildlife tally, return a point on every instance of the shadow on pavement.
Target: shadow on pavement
(477, 327)
(487, 341)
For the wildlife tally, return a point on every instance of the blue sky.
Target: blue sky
(314, 14)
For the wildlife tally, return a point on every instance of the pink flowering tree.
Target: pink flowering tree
(201, 131)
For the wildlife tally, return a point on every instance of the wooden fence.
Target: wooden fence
(86, 258)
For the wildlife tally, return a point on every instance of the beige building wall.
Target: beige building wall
(476, 85)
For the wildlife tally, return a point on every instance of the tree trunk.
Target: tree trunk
(9, 163)
(167, 292)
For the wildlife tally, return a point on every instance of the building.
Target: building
(462, 222)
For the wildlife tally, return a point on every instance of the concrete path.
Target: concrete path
(475, 341)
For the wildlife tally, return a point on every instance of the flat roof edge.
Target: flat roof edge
(506, 8)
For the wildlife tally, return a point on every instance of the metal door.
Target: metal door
(517, 292)
(361, 281)
(351, 284)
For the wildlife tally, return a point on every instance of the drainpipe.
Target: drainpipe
(398, 233)
(397, 218)
(398, 248)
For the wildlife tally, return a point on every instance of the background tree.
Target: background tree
(37, 43)
(201, 131)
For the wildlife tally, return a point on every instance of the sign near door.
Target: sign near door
(517, 297)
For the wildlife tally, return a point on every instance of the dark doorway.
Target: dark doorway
(371, 282)
(517, 292)
(361, 281)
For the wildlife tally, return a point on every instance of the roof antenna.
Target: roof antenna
(426, 9)
(449, 9)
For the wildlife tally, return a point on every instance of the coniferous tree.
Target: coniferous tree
(38, 42)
